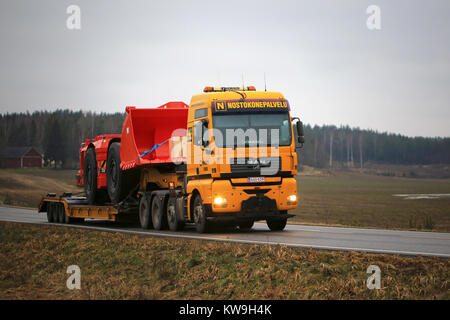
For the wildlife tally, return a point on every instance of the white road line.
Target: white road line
(262, 242)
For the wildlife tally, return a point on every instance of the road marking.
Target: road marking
(259, 242)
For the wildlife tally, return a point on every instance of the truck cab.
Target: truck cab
(241, 157)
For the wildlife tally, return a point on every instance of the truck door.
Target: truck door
(201, 141)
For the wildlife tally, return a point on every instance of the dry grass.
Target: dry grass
(33, 262)
(25, 187)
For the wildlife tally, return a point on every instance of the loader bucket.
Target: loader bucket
(146, 128)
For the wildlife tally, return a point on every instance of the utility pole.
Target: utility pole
(331, 149)
(360, 150)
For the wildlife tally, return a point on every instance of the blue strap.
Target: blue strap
(153, 148)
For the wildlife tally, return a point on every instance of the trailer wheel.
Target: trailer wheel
(61, 213)
(175, 224)
(276, 224)
(159, 217)
(145, 217)
(199, 213)
(246, 225)
(67, 219)
(50, 217)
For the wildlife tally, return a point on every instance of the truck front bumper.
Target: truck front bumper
(254, 208)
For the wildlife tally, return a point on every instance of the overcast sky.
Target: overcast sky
(319, 54)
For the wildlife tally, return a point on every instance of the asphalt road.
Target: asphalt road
(328, 238)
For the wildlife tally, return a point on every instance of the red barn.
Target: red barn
(20, 157)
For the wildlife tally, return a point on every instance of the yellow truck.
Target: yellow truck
(228, 158)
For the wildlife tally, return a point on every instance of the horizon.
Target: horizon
(340, 126)
(323, 56)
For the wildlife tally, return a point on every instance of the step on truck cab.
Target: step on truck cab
(229, 158)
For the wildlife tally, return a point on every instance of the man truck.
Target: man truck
(228, 158)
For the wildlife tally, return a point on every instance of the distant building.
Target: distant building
(21, 157)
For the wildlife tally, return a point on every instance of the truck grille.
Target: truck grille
(264, 166)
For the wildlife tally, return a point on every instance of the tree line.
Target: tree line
(330, 146)
(60, 133)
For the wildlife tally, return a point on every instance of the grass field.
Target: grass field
(366, 200)
(34, 260)
(331, 197)
(26, 187)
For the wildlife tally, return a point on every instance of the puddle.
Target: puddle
(414, 196)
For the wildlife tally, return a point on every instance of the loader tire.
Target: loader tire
(119, 182)
(90, 177)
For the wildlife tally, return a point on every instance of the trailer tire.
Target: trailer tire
(119, 182)
(174, 222)
(67, 219)
(158, 209)
(90, 176)
(145, 217)
(50, 216)
(199, 215)
(276, 224)
(61, 213)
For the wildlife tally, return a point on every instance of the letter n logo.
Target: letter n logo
(220, 106)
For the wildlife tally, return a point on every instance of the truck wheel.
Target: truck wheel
(90, 176)
(159, 217)
(175, 224)
(276, 224)
(145, 217)
(50, 217)
(200, 221)
(246, 225)
(119, 182)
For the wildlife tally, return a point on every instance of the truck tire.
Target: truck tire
(175, 224)
(90, 176)
(246, 225)
(145, 217)
(276, 224)
(199, 215)
(159, 217)
(119, 182)
(50, 212)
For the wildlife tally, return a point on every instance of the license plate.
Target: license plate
(256, 179)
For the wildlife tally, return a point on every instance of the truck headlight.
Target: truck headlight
(292, 199)
(220, 202)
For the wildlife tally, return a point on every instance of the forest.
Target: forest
(60, 133)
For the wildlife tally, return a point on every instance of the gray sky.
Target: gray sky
(319, 54)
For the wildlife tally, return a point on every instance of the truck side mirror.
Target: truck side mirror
(300, 132)
(205, 134)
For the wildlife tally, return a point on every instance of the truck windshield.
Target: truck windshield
(251, 129)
